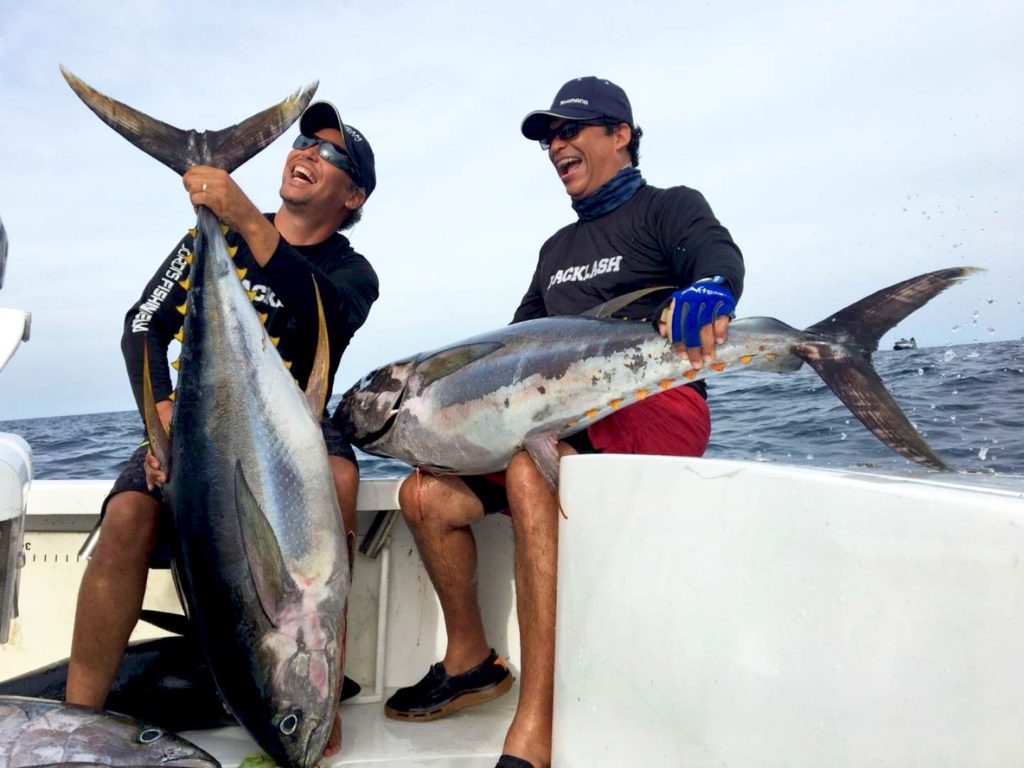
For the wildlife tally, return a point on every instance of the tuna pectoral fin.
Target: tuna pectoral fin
(543, 449)
(159, 440)
(178, 149)
(270, 578)
(450, 360)
(316, 387)
(851, 376)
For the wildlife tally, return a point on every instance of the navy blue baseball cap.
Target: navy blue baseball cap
(585, 98)
(323, 114)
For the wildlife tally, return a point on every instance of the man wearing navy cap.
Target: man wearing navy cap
(628, 236)
(328, 175)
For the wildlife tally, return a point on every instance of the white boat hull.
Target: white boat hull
(718, 613)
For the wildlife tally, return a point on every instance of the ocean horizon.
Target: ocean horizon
(965, 399)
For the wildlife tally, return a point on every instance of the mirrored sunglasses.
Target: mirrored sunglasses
(330, 152)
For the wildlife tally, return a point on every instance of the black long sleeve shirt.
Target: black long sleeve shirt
(659, 237)
(283, 290)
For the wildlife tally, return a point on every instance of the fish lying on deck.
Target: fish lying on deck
(35, 733)
(260, 549)
(469, 407)
(164, 681)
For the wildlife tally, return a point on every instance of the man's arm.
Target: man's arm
(152, 322)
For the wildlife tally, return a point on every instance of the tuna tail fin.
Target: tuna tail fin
(839, 349)
(180, 149)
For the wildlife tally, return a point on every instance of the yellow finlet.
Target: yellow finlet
(193, 233)
(665, 384)
(185, 283)
(172, 396)
(189, 258)
(275, 340)
(232, 250)
(224, 229)
(287, 364)
(690, 374)
(180, 335)
(251, 295)
(745, 359)
(263, 317)
(718, 367)
(616, 402)
(592, 413)
(241, 272)
(176, 365)
(770, 356)
(640, 394)
(181, 309)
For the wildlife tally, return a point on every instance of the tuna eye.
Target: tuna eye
(289, 724)
(149, 735)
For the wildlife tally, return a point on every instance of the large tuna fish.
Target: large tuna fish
(261, 551)
(37, 733)
(469, 407)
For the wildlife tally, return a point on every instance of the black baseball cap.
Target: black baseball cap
(585, 98)
(323, 114)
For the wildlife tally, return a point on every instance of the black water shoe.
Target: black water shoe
(439, 694)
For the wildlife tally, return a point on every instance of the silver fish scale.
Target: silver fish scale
(35, 732)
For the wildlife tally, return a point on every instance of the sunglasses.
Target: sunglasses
(570, 129)
(328, 151)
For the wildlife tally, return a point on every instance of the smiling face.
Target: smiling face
(590, 158)
(313, 184)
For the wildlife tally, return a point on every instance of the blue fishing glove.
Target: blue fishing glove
(690, 309)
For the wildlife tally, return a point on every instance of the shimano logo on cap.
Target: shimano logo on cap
(584, 102)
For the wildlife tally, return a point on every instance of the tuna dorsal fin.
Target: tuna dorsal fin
(159, 440)
(543, 449)
(610, 307)
(266, 563)
(447, 361)
(179, 149)
(316, 386)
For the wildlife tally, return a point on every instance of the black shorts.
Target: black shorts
(490, 489)
(133, 476)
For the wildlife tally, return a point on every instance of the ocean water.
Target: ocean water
(967, 400)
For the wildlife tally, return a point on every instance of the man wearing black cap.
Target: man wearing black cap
(328, 175)
(628, 236)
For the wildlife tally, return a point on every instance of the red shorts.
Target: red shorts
(676, 422)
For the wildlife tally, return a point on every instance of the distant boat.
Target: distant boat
(910, 343)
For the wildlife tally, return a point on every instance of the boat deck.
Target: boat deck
(467, 739)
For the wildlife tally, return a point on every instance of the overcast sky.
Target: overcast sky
(846, 146)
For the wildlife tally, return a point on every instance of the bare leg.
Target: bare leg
(110, 596)
(438, 513)
(535, 526)
(346, 485)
